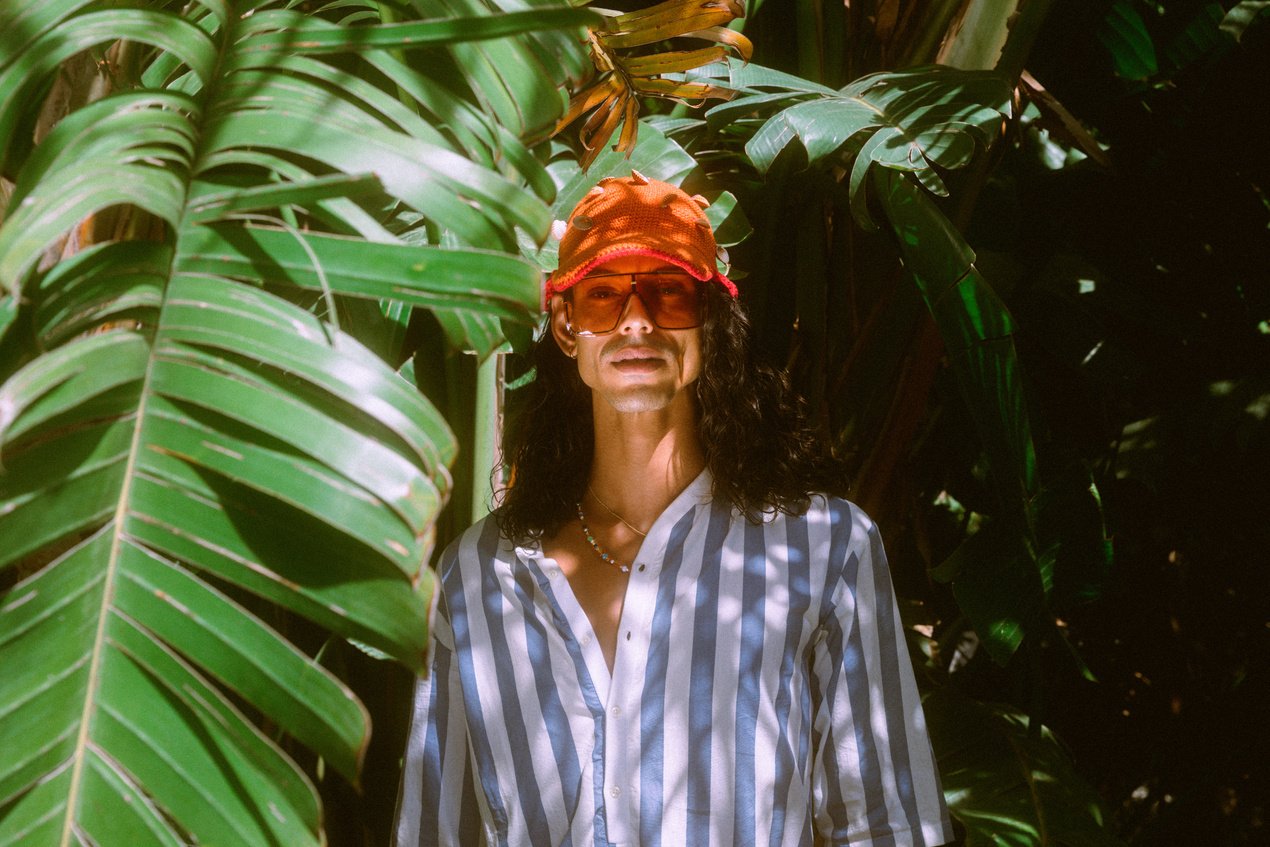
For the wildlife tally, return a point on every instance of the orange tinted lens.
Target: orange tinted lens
(673, 300)
(598, 302)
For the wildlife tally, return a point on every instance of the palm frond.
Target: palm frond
(920, 121)
(183, 445)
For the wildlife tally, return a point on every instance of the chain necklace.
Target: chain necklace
(609, 509)
(595, 545)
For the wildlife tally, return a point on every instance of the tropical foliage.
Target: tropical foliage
(842, 303)
(1137, 312)
(288, 224)
(1139, 284)
(208, 272)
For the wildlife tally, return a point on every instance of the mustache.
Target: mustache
(617, 345)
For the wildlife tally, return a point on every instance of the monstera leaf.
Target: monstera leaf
(193, 449)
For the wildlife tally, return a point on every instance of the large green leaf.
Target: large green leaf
(505, 74)
(999, 585)
(1010, 785)
(977, 329)
(1202, 38)
(192, 460)
(920, 121)
(1125, 35)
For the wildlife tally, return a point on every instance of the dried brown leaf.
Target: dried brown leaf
(660, 30)
(672, 9)
(729, 37)
(590, 97)
(672, 62)
(682, 91)
(614, 97)
(630, 127)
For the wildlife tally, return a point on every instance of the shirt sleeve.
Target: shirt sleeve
(875, 781)
(437, 804)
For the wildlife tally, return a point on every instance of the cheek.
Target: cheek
(690, 362)
(587, 361)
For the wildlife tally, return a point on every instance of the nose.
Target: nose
(635, 317)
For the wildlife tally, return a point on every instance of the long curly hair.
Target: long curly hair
(761, 451)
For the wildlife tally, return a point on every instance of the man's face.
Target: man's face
(637, 367)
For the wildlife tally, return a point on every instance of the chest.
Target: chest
(597, 587)
(686, 609)
(711, 660)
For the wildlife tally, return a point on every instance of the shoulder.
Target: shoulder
(844, 535)
(840, 514)
(820, 514)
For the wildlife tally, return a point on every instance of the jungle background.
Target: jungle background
(1068, 458)
(1141, 291)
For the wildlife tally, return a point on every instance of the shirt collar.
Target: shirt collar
(695, 493)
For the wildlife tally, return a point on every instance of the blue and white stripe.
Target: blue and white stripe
(761, 694)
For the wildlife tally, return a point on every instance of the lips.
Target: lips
(637, 359)
(629, 353)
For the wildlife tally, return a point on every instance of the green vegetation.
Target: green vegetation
(255, 258)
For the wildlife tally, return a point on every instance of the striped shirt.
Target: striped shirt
(761, 693)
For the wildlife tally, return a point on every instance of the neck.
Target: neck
(644, 460)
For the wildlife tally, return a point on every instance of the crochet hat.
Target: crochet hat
(637, 216)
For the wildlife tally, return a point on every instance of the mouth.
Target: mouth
(637, 360)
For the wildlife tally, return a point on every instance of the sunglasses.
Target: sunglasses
(595, 305)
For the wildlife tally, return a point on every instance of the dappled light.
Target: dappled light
(199, 471)
(267, 267)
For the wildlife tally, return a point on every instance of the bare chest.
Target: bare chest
(598, 586)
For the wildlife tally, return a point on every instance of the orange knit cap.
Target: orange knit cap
(637, 216)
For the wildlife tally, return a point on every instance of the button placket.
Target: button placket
(622, 716)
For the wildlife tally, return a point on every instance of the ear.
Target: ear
(559, 327)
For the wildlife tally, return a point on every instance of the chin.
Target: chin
(648, 399)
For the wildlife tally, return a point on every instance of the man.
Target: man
(667, 634)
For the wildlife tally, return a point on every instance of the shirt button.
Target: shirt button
(614, 791)
(641, 568)
(616, 710)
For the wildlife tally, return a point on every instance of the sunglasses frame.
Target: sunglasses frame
(634, 292)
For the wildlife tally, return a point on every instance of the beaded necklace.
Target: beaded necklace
(595, 545)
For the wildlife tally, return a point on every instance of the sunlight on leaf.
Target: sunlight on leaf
(202, 461)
